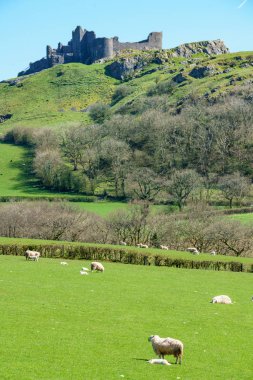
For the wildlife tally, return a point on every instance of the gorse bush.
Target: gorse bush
(121, 92)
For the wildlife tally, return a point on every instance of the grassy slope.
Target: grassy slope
(47, 98)
(53, 96)
(59, 325)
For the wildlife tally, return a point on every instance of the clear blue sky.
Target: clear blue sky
(27, 26)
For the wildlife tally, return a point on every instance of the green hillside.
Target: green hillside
(54, 96)
(63, 93)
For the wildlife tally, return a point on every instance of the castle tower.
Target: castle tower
(102, 48)
(77, 36)
(49, 51)
(155, 40)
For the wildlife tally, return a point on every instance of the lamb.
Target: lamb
(193, 250)
(122, 243)
(221, 299)
(64, 263)
(167, 346)
(213, 252)
(83, 272)
(32, 255)
(97, 267)
(164, 247)
(85, 269)
(159, 361)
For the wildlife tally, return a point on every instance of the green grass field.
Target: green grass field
(59, 325)
(246, 218)
(16, 179)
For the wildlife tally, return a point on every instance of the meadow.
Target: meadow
(59, 325)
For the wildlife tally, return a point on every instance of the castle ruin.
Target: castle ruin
(86, 48)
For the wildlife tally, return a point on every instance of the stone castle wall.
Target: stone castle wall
(84, 47)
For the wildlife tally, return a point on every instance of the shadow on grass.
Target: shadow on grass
(25, 179)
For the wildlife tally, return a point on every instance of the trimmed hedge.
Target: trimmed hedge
(122, 256)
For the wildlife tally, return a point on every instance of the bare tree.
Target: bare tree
(231, 237)
(234, 186)
(181, 184)
(117, 155)
(72, 145)
(50, 168)
(144, 184)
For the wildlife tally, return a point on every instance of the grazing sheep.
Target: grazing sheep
(140, 245)
(167, 346)
(213, 252)
(32, 255)
(221, 299)
(122, 243)
(193, 250)
(159, 361)
(164, 247)
(97, 267)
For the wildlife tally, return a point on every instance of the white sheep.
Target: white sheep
(97, 267)
(140, 245)
(159, 361)
(164, 247)
(193, 250)
(64, 263)
(32, 255)
(221, 299)
(167, 346)
(213, 252)
(122, 243)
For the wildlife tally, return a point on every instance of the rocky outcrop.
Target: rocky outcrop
(3, 118)
(179, 78)
(129, 64)
(215, 47)
(202, 71)
(125, 68)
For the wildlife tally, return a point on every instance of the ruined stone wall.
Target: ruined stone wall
(36, 66)
(86, 48)
(154, 41)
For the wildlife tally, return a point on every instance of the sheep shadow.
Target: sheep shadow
(144, 360)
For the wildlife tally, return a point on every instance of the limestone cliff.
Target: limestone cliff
(214, 47)
(130, 63)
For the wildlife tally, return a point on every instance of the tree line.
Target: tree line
(196, 226)
(153, 155)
